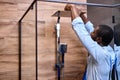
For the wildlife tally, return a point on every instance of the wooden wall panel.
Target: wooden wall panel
(8, 43)
(8, 1)
(75, 58)
(9, 11)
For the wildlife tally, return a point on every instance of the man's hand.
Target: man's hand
(81, 13)
(73, 9)
(68, 7)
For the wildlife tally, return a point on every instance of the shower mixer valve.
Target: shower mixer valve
(62, 50)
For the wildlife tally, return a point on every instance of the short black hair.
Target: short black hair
(106, 33)
(117, 34)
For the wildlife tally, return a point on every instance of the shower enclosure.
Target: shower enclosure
(37, 50)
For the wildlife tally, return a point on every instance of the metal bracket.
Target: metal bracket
(62, 14)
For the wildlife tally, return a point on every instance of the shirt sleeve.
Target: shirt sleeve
(93, 47)
(89, 27)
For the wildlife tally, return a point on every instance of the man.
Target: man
(96, 41)
(117, 51)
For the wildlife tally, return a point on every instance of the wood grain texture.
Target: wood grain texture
(75, 58)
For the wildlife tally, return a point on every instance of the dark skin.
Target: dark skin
(95, 37)
(75, 12)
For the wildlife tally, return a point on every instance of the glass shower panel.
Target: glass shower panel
(73, 64)
(46, 47)
(28, 46)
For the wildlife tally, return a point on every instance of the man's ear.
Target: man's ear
(99, 40)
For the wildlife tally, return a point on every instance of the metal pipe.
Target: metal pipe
(27, 10)
(36, 41)
(116, 5)
(57, 28)
(81, 3)
(20, 49)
